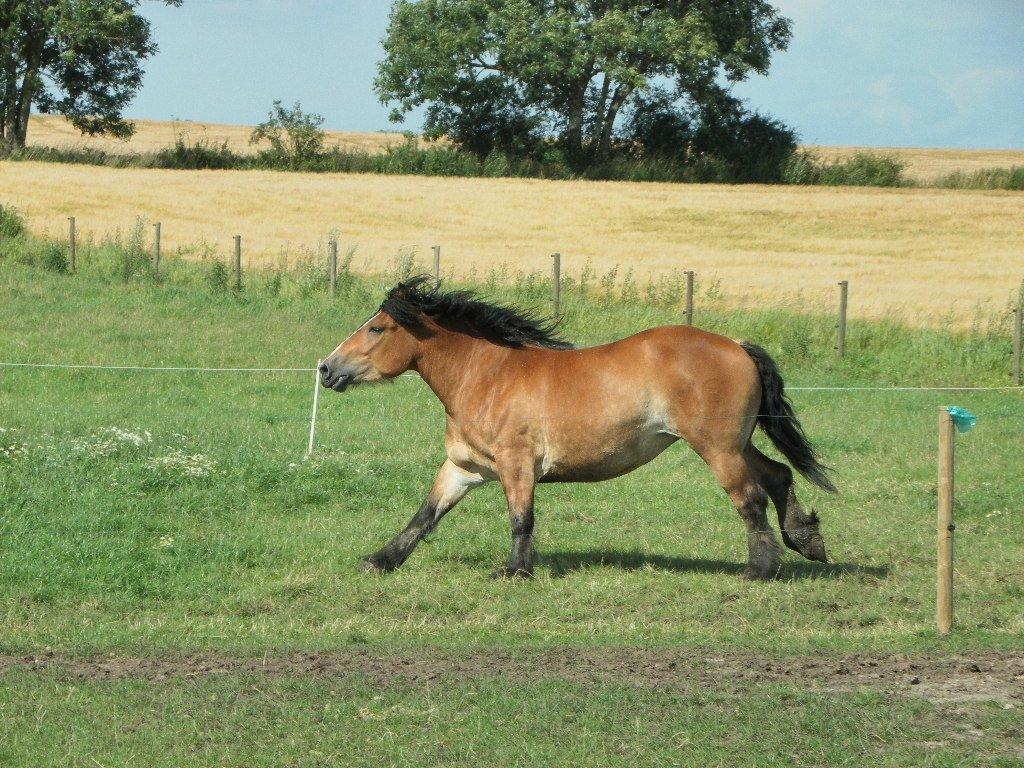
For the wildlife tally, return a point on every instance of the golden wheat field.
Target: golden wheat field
(151, 135)
(925, 165)
(924, 255)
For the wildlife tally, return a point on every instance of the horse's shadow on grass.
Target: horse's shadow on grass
(563, 563)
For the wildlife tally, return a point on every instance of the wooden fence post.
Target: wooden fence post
(332, 266)
(844, 288)
(437, 266)
(556, 283)
(944, 576)
(238, 262)
(1018, 332)
(156, 248)
(689, 297)
(72, 245)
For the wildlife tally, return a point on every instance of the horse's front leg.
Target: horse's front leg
(519, 481)
(450, 486)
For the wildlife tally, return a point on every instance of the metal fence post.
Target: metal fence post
(437, 266)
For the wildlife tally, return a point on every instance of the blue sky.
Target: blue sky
(930, 73)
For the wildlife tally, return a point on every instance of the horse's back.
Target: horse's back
(672, 353)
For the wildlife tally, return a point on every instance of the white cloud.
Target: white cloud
(980, 86)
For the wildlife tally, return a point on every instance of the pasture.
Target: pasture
(178, 585)
(903, 250)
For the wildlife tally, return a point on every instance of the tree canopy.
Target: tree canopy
(506, 74)
(77, 58)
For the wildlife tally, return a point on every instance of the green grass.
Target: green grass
(251, 721)
(158, 514)
(212, 533)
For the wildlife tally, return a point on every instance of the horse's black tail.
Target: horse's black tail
(778, 420)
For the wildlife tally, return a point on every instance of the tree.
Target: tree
(567, 68)
(291, 133)
(77, 58)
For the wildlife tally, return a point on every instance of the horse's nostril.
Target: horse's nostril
(324, 369)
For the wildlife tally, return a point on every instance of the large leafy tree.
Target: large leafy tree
(78, 58)
(500, 73)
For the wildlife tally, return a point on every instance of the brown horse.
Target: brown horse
(525, 407)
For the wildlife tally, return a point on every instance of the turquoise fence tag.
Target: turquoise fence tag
(964, 420)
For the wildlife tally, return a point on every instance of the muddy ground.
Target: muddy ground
(986, 676)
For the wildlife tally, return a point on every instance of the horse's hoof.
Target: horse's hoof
(505, 572)
(807, 542)
(372, 565)
(816, 550)
(761, 574)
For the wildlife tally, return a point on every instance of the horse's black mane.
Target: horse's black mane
(412, 299)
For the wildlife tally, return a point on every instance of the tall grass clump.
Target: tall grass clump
(988, 178)
(864, 169)
(199, 155)
(11, 223)
(16, 244)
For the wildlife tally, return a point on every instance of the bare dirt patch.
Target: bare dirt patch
(988, 676)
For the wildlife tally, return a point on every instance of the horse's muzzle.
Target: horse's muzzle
(337, 379)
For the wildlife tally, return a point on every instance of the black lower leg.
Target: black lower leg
(396, 551)
(801, 532)
(520, 560)
(763, 561)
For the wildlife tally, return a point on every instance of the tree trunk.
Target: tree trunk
(602, 104)
(622, 93)
(574, 130)
(10, 98)
(24, 106)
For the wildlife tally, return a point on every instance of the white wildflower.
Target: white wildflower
(137, 437)
(184, 464)
(14, 451)
(166, 542)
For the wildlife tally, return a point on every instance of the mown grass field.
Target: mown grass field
(170, 515)
(929, 257)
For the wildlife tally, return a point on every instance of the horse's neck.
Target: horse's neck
(451, 363)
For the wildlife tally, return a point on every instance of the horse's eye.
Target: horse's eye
(376, 329)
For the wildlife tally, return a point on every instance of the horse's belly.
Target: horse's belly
(606, 460)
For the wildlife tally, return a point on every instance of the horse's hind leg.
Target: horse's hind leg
(800, 531)
(737, 478)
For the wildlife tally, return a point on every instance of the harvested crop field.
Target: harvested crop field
(928, 256)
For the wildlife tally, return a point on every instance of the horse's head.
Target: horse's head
(380, 349)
